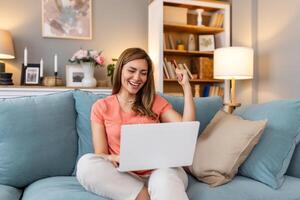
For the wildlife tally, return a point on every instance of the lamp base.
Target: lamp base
(2, 67)
(229, 107)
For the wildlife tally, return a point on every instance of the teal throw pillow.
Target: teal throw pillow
(38, 138)
(270, 159)
(83, 103)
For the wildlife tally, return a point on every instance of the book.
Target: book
(220, 20)
(188, 71)
(206, 89)
(175, 64)
(216, 92)
(165, 42)
(204, 67)
(166, 71)
(221, 92)
(213, 19)
(171, 41)
(211, 90)
(170, 69)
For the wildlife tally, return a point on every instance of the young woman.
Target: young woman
(133, 101)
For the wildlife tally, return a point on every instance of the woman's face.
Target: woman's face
(134, 75)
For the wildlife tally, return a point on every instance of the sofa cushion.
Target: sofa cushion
(83, 103)
(270, 159)
(58, 188)
(9, 193)
(223, 146)
(37, 138)
(206, 108)
(294, 167)
(244, 188)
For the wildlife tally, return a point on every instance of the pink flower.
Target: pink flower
(100, 60)
(88, 56)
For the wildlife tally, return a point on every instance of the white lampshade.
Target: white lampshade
(233, 63)
(6, 45)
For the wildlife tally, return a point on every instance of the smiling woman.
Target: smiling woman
(133, 101)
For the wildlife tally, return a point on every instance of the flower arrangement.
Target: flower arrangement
(92, 56)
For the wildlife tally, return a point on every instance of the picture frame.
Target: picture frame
(67, 19)
(30, 74)
(74, 75)
(206, 43)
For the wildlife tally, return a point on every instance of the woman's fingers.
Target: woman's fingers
(182, 76)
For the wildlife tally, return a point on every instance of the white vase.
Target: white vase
(88, 79)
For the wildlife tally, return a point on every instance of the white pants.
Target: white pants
(100, 176)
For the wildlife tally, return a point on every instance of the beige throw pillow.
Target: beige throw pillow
(223, 146)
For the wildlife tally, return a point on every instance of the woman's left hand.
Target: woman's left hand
(182, 77)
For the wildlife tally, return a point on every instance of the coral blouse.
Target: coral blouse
(109, 113)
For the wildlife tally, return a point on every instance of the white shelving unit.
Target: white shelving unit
(156, 28)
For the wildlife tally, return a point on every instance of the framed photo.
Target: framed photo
(206, 43)
(74, 75)
(30, 74)
(67, 19)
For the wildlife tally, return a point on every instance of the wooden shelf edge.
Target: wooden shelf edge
(191, 28)
(187, 53)
(197, 80)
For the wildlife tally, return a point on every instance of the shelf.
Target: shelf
(196, 81)
(50, 87)
(206, 8)
(192, 28)
(20, 91)
(188, 53)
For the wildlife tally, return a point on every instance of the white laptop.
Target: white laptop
(160, 145)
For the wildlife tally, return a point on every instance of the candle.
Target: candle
(41, 68)
(25, 56)
(55, 63)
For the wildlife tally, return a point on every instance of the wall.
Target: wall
(274, 29)
(116, 25)
(278, 31)
(243, 35)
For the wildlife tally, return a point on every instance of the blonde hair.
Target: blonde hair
(145, 96)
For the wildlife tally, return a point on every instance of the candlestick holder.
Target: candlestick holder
(41, 80)
(55, 78)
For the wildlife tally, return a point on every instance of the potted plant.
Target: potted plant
(111, 69)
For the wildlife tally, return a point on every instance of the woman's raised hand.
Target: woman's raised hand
(182, 77)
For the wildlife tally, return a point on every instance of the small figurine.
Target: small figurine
(191, 43)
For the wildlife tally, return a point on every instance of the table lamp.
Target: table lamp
(6, 48)
(6, 52)
(233, 63)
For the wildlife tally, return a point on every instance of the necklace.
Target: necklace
(127, 101)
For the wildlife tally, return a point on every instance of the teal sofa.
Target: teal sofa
(42, 137)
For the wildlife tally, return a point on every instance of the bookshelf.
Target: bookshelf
(170, 26)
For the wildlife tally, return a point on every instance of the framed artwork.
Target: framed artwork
(67, 19)
(206, 43)
(30, 74)
(74, 75)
